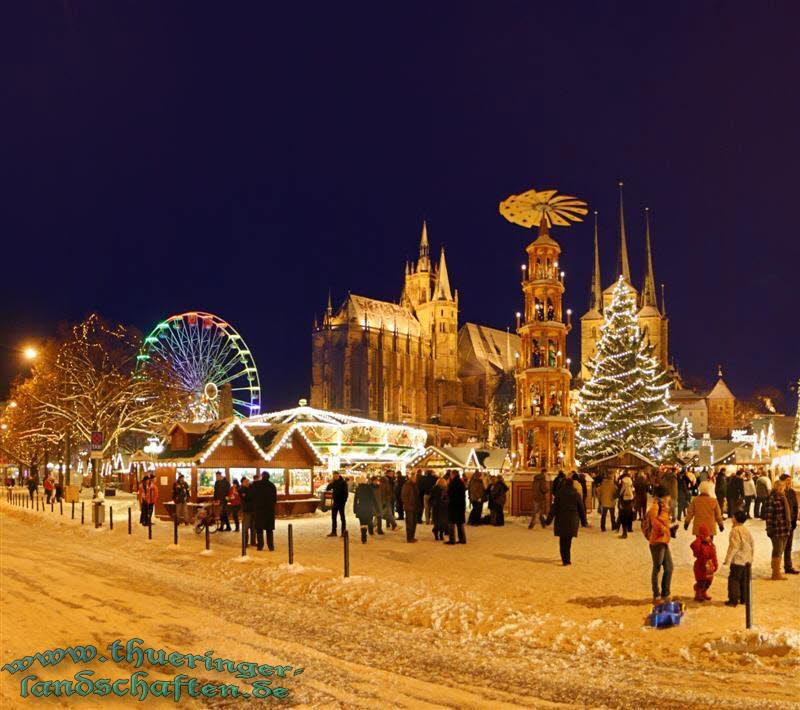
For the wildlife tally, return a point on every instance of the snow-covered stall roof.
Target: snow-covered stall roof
(625, 458)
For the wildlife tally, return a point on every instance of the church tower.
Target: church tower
(651, 320)
(592, 320)
(544, 433)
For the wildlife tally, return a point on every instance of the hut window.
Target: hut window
(299, 480)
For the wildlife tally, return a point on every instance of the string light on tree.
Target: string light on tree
(625, 403)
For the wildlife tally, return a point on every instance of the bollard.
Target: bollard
(346, 541)
(37, 504)
(129, 520)
(82, 515)
(748, 602)
(73, 509)
(208, 537)
(291, 545)
(110, 518)
(96, 508)
(52, 506)
(244, 542)
(150, 527)
(175, 529)
(61, 507)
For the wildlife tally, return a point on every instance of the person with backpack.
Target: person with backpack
(656, 528)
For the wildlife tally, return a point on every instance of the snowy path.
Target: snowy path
(495, 623)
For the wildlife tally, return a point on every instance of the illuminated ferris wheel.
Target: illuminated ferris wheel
(203, 356)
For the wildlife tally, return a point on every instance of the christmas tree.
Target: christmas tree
(625, 404)
(685, 435)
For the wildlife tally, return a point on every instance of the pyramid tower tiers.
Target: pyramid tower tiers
(623, 266)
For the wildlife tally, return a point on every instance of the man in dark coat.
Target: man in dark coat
(264, 496)
(721, 488)
(791, 499)
(557, 481)
(338, 488)
(426, 485)
(221, 488)
(400, 480)
(569, 512)
(735, 493)
(456, 508)
(410, 498)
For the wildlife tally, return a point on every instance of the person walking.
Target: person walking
(400, 481)
(339, 493)
(670, 481)
(426, 484)
(655, 527)
(721, 488)
(148, 497)
(749, 488)
(222, 487)
(33, 486)
(234, 504)
(49, 487)
(386, 499)
(685, 485)
(477, 494)
(264, 496)
(763, 489)
(626, 496)
(704, 510)
(705, 564)
(569, 512)
(641, 486)
(734, 492)
(365, 506)
(410, 499)
(607, 495)
(739, 556)
(541, 499)
(439, 509)
(791, 498)
(497, 500)
(456, 509)
(248, 519)
(778, 525)
(180, 496)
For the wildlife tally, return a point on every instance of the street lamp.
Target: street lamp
(30, 353)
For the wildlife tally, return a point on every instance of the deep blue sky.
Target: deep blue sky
(243, 158)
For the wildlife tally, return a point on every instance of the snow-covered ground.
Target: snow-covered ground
(494, 623)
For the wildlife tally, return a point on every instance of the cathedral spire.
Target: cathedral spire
(663, 302)
(424, 263)
(442, 290)
(623, 268)
(649, 285)
(596, 295)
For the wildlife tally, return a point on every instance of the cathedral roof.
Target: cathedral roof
(648, 311)
(377, 314)
(482, 349)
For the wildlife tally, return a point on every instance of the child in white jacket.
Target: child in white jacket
(740, 554)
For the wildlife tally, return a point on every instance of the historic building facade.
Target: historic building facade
(408, 361)
(652, 315)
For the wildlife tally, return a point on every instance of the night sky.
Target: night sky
(243, 158)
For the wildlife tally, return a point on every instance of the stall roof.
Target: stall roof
(621, 454)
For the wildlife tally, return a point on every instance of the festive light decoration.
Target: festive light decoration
(764, 442)
(625, 404)
(199, 353)
(685, 435)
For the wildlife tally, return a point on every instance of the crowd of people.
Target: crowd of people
(418, 498)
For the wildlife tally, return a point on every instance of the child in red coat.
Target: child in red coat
(705, 563)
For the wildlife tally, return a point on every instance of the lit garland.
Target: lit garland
(625, 404)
